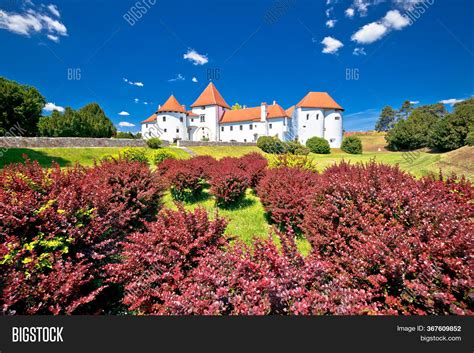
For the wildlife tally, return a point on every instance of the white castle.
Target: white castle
(212, 119)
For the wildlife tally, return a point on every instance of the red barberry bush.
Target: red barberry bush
(184, 180)
(285, 194)
(59, 228)
(157, 261)
(255, 165)
(407, 242)
(228, 182)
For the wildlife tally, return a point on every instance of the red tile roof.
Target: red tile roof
(150, 119)
(210, 96)
(252, 114)
(172, 105)
(190, 113)
(290, 111)
(318, 100)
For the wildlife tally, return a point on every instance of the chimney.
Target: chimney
(274, 102)
(263, 112)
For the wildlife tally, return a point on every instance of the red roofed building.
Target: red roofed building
(212, 119)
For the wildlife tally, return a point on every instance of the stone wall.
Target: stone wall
(34, 142)
(211, 143)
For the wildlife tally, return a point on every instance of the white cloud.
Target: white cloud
(136, 100)
(407, 4)
(393, 19)
(374, 31)
(146, 103)
(194, 79)
(369, 33)
(196, 58)
(49, 107)
(33, 21)
(452, 101)
(414, 102)
(331, 23)
(331, 45)
(359, 51)
(329, 11)
(179, 77)
(124, 113)
(138, 84)
(54, 10)
(126, 124)
(349, 12)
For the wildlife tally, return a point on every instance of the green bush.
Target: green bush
(154, 143)
(451, 132)
(292, 161)
(352, 145)
(128, 135)
(161, 155)
(318, 145)
(272, 145)
(470, 139)
(136, 154)
(296, 148)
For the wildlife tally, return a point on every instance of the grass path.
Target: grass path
(246, 221)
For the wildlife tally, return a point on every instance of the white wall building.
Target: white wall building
(211, 119)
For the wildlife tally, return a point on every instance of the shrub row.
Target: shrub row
(228, 178)
(60, 228)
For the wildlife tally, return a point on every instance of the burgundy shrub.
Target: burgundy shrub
(58, 228)
(184, 180)
(157, 261)
(259, 281)
(255, 165)
(228, 182)
(407, 242)
(203, 165)
(285, 194)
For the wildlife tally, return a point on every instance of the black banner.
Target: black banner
(246, 334)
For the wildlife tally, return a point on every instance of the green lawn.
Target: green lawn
(219, 152)
(66, 157)
(246, 221)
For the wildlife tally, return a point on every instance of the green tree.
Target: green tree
(318, 145)
(413, 132)
(405, 110)
(386, 120)
(352, 145)
(89, 121)
(451, 132)
(20, 105)
(236, 106)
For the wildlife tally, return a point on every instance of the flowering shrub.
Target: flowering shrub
(293, 161)
(157, 261)
(58, 228)
(285, 193)
(203, 165)
(255, 165)
(228, 182)
(404, 241)
(184, 180)
(136, 154)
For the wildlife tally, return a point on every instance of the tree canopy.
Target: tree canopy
(20, 106)
(89, 121)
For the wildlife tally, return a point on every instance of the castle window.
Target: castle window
(192, 120)
(164, 118)
(202, 118)
(181, 119)
(231, 128)
(317, 116)
(245, 140)
(284, 122)
(269, 126)
(241, 127)
(146, 125)
(165, 130)
(177, 130)
(337, 118)
(307, 116)
(250, 126)
(332, 140)
(222, 128)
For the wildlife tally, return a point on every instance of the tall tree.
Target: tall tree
(386, 120)
(20, 108)
(89, 121)
(405, 110)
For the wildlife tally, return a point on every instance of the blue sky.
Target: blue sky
(365, 53)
